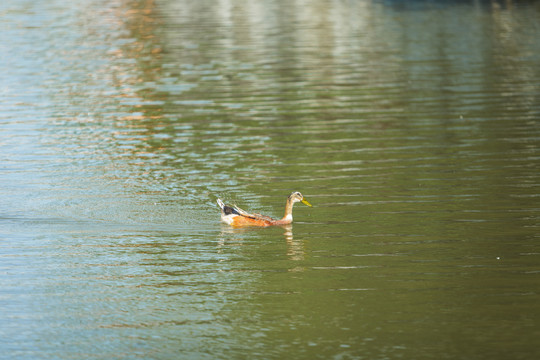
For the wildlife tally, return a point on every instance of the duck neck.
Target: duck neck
(287, 218)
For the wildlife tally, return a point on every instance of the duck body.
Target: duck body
(237, 217)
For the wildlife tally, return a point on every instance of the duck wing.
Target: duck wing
(254, 216)
(261, 217)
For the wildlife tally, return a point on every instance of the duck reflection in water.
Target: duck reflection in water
(233, 236)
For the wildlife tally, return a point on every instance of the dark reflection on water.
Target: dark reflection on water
(412, 127)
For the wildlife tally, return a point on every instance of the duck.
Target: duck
(237, 217)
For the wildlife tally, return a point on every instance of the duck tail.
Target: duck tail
(226, 210)
(221, 204)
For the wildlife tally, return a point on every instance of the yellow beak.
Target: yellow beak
(305, 202)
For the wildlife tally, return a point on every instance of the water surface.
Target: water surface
(412, 127)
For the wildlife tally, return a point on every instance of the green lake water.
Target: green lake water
(413, 127)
